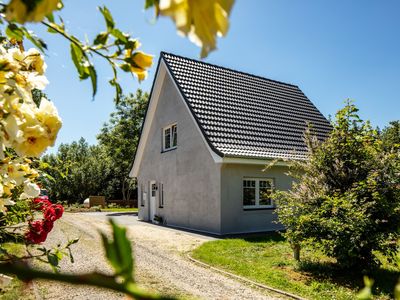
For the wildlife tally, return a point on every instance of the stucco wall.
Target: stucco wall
(234, 218)
(190, 178)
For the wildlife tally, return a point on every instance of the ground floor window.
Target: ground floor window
(257, 192)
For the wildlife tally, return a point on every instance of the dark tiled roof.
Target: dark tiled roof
(243, 115)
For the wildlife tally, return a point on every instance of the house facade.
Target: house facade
(206, 138)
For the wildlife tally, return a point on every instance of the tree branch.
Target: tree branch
(26, 273)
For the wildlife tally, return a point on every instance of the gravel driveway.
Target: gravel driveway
(161, 264)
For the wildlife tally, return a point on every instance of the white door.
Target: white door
(153, 197)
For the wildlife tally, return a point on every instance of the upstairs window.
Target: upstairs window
(170, 139)
(257, 193)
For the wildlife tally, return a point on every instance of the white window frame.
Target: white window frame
(171, 137)
(257, 192)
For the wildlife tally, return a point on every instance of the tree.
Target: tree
(76, 171)
(119, 139)
(391, 136)
(347, 197)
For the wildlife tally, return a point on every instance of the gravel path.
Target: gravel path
(161, 264)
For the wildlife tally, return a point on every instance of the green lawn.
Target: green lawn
(120, 209)
(268, 259)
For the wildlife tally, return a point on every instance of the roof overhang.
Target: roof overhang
(255, 161)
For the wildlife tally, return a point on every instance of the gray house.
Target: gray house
(208, 133)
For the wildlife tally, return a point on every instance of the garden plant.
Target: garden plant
(29, 124)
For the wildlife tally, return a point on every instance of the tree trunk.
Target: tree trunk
(296, 251)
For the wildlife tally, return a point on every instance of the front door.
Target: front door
(153, 197)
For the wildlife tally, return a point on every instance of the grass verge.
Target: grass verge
(268, 259)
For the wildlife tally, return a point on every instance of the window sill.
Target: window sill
(259, 208)
(168, 150)
(161, 207)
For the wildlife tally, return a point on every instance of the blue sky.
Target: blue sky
(332, 51)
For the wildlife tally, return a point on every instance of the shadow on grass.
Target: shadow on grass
(316, 269)
(385, 280)
(264, 237)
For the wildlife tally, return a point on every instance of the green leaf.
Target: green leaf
(118, 90)
(71, 242)
(39, 43)
(53, 259)
(76, 55)
(101, 38)
(14, 32)
(120, 36)
(93, 78)
(150, 3)
(125, 67)
(50, 17)
(107, 17)
(119, 252)
(81, 62)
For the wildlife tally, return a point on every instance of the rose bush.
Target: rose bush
(26, 130)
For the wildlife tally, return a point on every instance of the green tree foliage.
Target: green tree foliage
(79, 170)
(119, 139)
(391, 136)
(346, 200)
(76, 171)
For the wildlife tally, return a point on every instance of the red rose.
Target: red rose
(47, 225)
(59, 209)
(49, 213)
(41, 204)
(36, 233)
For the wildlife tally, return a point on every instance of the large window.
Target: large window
(257, 193)
(170, 138)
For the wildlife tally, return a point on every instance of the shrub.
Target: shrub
(346, 200)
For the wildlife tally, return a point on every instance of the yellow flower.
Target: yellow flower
(140, 74)
(15, 173)
(18, 11)
(142, 60)
(47, 115)
(35, 141)
(11, 129)
(201, 21)
(139, 63)
(34, 61)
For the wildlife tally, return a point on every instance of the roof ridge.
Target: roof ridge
(162, 53)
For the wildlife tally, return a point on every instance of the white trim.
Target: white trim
(171, 137)
(257, 191)
(255, 161)
(153, 101)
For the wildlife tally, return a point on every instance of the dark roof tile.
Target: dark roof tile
(243, 115)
